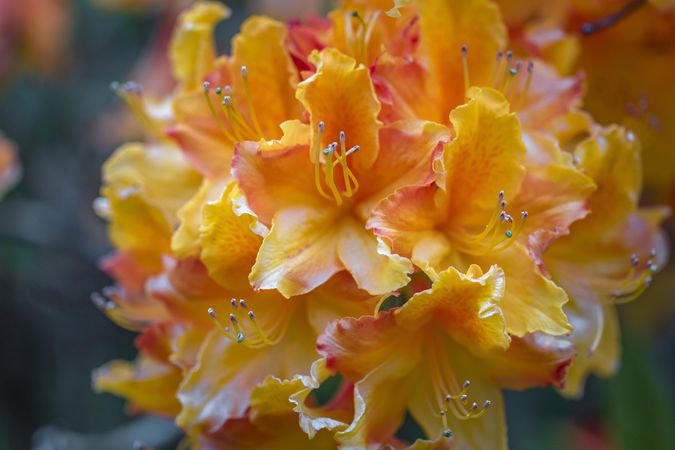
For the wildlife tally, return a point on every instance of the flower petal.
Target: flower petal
(486, 157)
(192, 49)
(341, 95)
(465, 305)
(444, 28)
(371, 264)
(272, 77)
(300, 252)
(229, 246)
(278, 174)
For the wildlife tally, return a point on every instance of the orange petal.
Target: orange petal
(192, 49)
(485, 157)
(374, 268)
(341, 95)
(272, 77)
(444, 28)
(466, 305)
(300, 252)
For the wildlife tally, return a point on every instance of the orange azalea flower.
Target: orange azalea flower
(315, 192)
(425, 350)
(609, 257)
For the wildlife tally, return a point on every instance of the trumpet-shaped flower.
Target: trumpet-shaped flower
(445, 353)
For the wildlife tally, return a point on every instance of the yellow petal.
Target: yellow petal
(612, 158)
(272, 77)
(531, 301)
(465, 305)
(229, 245)
(374, 268)
(341, 95)
(192, 50)
(485, 157)
(150, 386)
(299, 253)
(434, 379)
(185, 240)
(447, 25)
(596, 336)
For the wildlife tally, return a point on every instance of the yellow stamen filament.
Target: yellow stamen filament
(251, 335)
(513, 73)
(599, 330)
(249, 101)
(357, 40)
(526, 89)
(231, 123)
(331, 159)
(362, 36)
(635, 282)
(500, 232)
(507, 68)
(450, 397)
(498, 66)
(465, 69)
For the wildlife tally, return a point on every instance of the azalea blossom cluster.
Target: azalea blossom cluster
(379, 216)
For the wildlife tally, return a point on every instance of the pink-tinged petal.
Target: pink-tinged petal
(406, 217)
(466, 306)
(299, 253)
(371, 264)
(354, 347)
(407, 151)
(549, 97)
(534, 360)
(277, 175)
(203, 146)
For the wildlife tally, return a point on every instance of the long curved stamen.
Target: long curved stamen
(507, 69)
(635, 282)
(249, 100)
(526, 88)
(498, 66)
(500, 232)
(247, 332)
(331, 158)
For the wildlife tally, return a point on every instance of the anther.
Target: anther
(233, 302)
(465, 68)
(447, 433)
(251, 316)
(242, 303)
(212, 313)
(466, 385)
(206, 85)
(218, 90)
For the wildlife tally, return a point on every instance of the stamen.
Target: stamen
(636, 281)
(249, 101)
(465, 69)
(507, 67)
(333, 158)
(500, 232)
(456, 404)
(526, 89)
(498, 66)
(216, 116)
(625, 11)
(252, 335)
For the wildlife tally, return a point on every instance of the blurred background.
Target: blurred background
(57, 113)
